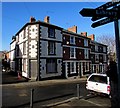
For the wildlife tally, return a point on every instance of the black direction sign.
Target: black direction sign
(104, 7)
(102, 22)
(85, 12)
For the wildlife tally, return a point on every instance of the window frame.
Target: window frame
(51, 60)
(72, 69)
(72, 41)
(51, 35)
(74, 52)
(53, 49)
(24, 48)
(24, 65)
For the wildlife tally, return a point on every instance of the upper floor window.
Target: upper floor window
(51, 33)
(104, 58)
(97, 57)
(104, 49)
(51, 48)
(96, 48)
(17, 50)
(24, 34)
(24, 48)
(72, 53)
(72, 40)
(86, 54)
(85, 42)
(92, 48)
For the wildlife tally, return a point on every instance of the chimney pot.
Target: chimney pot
(84, 33)
(92, 37)
(32, 19)
(46, 19)
(73, 29)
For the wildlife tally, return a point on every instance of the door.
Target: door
(33, 69)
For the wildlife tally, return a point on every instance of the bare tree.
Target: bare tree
(109, 40)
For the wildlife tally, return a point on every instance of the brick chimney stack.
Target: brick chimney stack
(73, 29)
(84, 34)
(32, 19)
(92, 37)
(46, 19)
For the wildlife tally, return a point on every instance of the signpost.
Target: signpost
(112, 14)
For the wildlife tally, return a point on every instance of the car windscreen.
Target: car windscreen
(99, 79)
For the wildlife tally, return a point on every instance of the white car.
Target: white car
(98, 83)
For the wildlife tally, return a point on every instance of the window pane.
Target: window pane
(72, 52)
(24, 65)
(51, 32)
(51, 66)
(24, 48)
(51, 48)
(72, 40)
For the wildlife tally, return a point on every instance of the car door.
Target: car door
(92, 84)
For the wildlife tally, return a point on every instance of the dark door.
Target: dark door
(33, 69)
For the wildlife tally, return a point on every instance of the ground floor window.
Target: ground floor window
(87, 67)
(24, 65)
(51, 65)
(97, 68)
(72, 67)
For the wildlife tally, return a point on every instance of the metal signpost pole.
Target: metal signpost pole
(117, 37)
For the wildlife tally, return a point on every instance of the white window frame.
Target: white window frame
(87, 64)
(97, 56)
(104, 49)
(85, 42)
(51, 51)
(72, 53)
(72, 40)
(51, 32)
(96, 48)
(104, 58)
(24, 65)
(86, 53)
(24, 48)
(74, 67)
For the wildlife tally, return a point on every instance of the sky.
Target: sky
(63, 14)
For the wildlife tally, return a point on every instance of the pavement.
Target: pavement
(11, 79)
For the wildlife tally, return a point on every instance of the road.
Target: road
(19, 95)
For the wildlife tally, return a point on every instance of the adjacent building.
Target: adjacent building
(76, 53)
(42, 50)
(98, 56)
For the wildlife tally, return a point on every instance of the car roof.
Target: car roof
(98, 74)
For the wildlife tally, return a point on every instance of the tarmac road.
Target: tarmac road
(19, 94)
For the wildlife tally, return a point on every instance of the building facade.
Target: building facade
(36, 50)
(98, 56)
(76, 53)
(42, 50)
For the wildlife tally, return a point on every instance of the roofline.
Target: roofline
(67, 31)
(99, 43)
(37, 22)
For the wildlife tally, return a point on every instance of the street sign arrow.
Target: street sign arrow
(102, 22)
(104, 7)
(85, 12)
